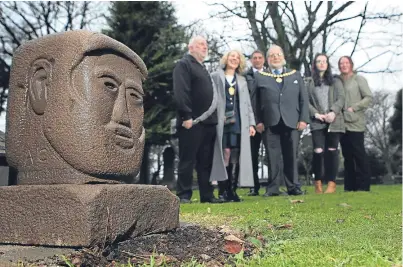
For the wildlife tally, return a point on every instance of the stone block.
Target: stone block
(84, 215)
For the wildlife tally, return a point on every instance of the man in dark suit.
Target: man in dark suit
(257, 60)
(193, 95)
(282, 111)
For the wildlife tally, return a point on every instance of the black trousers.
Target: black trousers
(325, 164)
(356, 166)
(196, 148)
(255, 142)
(281, 140)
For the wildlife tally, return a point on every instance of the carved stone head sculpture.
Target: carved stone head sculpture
(75, 110)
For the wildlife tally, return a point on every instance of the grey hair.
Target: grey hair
(282, 51)
(195, 38)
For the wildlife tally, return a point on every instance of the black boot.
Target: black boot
(235, 175)
(222, 191)
(230, 175)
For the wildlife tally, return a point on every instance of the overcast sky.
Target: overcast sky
(189, 11)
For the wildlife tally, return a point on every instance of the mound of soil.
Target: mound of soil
(213, 247)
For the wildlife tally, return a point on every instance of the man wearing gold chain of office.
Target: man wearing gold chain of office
(282, 111)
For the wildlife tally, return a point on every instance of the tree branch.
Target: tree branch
(325, 24)
(360, 29)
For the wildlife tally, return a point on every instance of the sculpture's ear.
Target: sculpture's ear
(40, 76)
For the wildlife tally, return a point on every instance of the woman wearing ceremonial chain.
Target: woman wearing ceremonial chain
(232, 162)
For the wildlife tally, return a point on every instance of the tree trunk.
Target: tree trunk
(168, 158)
(145, 170)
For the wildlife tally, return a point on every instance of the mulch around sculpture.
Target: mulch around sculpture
(212, 246)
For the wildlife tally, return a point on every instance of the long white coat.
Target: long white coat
(218, 172)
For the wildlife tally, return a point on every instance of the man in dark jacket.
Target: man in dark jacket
(282, 110)
(257, 60)
(193, 94)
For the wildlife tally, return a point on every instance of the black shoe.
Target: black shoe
(185, 201)
(236, 198)
(270, 194)
(212, 200)
(223, 198)
(253, 193)
(295, 192)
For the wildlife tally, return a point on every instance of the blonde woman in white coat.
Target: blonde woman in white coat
(232, 162)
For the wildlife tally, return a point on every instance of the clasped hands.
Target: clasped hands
(329, 117)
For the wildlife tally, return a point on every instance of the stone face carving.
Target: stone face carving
(75, 116)
(75, 112)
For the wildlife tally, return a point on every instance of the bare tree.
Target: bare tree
(302, 28)
(22, 21)
(378, 128)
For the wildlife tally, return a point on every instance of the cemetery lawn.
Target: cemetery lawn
(342, 229)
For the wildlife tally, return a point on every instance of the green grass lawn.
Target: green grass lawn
(342, 229)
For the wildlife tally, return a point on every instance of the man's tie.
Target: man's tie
(277, 72)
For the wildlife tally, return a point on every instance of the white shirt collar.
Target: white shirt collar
(254, 70)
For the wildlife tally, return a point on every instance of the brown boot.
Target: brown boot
(331, 188)
(318, 187)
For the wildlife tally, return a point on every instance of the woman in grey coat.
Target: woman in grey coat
(326, 101)
(232, 162)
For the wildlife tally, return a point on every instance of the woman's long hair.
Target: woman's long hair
(327, 76)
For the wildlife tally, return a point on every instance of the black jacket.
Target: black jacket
(250, 80)
(193, 90)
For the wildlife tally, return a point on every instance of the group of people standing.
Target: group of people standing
(223, 118)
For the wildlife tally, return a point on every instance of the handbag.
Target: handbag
(229, 117)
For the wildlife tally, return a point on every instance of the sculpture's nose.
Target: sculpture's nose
(120, 112)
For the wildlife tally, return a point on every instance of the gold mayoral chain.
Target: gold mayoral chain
(278, 77)
(231, 90)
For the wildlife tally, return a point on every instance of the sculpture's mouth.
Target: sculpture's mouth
(123, 136)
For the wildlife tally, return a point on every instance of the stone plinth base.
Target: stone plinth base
(84, 215)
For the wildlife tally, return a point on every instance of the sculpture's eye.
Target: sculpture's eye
(110, 86)
(136, 95)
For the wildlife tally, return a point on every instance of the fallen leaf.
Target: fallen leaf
(271, 226)
(296, 201)
(340, 220)
(233, 238)
(225, 229)
(345, 205)
(205, 257)
(369, 217)
(233, 247)
(284, 226)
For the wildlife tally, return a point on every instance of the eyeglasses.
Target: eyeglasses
(321, 61)
(275, 54)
